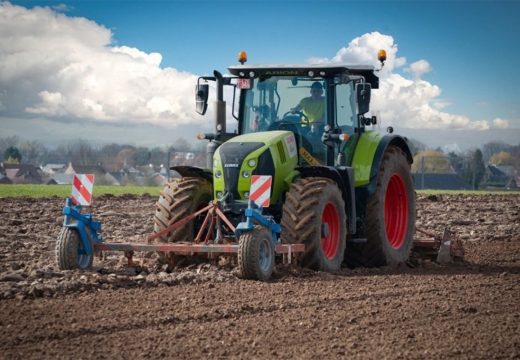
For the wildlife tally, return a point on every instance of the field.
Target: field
(419, 310)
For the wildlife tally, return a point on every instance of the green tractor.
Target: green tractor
(341, 189)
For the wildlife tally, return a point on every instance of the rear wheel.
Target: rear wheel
(179, 199)
(314, 215)
(256, 254)
(390, 213)
(70, 252)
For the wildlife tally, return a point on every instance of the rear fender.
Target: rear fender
(386, 141)
(343, 176)
(369, 153)
(192, 171)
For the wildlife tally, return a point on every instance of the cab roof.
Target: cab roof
(324, 71)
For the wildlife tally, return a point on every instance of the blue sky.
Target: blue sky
(471, 46)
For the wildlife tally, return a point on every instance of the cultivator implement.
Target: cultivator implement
(81, 238)
(216, 236)
(443, 249)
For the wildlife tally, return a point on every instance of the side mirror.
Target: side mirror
(363, 97)
(201, 98)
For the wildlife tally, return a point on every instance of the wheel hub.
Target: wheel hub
(330, 230)
(396, 211)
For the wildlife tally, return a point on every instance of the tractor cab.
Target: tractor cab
(313, 102)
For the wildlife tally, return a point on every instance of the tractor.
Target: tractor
(339, 187)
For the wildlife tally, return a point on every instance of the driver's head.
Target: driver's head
(316, 90)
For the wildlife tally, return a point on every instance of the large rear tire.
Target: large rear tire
(179, 199)
(390, 214)
(70, 254)
(314, 215)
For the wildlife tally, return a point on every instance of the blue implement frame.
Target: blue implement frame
(254, 214)
(88, 229)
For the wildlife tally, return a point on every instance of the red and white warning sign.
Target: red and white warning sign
(82, 185)
(260, 191)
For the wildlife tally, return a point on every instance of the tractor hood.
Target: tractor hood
(271, 153)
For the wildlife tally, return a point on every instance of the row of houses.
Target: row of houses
(500, 177)
(62, 174)
(495, 177)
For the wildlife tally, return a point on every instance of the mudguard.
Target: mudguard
(386, 141)
(368, 156)
(192, 171)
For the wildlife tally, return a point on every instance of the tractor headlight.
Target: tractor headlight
(218, 174)
(246, 174)
(251, 163)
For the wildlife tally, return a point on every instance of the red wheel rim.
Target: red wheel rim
(330, 239)
(396, 211)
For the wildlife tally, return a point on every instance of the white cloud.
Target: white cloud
(418, 68)
(400, 101)
(363, 50)
(501, 123)
(59, 66)
(62, 68)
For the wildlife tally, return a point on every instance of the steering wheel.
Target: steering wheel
(303, 118)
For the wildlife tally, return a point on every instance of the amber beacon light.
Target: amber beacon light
(242, 57)
(381, 56)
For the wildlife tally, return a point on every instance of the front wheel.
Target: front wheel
(70, 252)
(314, 215)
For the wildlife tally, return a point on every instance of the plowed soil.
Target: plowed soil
(417, 310)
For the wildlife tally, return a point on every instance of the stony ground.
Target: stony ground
(469, 310)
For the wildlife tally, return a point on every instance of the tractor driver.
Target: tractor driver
(313, 107)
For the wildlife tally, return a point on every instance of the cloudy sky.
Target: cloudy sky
(118, 71)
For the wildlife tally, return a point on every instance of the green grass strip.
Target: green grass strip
(64, 191)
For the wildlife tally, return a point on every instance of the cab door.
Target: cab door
(346, 121)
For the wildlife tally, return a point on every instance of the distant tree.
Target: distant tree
(81, 152)
(142, 156)
(491, 148)
(502, 158)
(158, 156)
(181, 144)
(456, 162)
(12, 155)
(475, 169)
(125, 158)
(431, 161)
(34, 152)
(7, 142)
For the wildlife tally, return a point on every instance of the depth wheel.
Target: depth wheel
(256, 254)
(70, 252)
(314, 215)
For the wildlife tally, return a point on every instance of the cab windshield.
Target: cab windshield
(289, 99)
(298, 104)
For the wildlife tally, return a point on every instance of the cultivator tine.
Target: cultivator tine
(450, 248)
(204, 225)
(443, 255)
(178, 223)
(456, 248)
(444, 250)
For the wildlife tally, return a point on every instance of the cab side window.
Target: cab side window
(344, 106)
